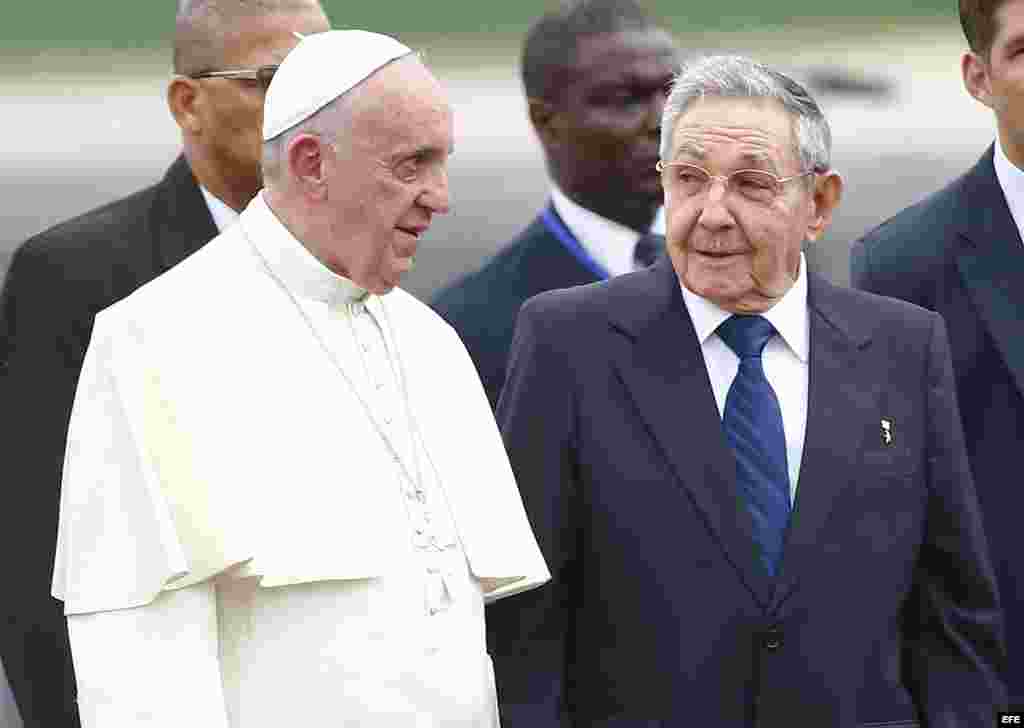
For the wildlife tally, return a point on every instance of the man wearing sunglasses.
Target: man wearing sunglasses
(225, 52)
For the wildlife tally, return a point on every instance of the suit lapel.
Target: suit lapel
(658, 357)
(840, 390)
(991, 263)
(180, 222)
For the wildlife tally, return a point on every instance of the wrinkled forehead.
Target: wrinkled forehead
(403, 103)
(402, 87)
(649, 50)
(755, 131)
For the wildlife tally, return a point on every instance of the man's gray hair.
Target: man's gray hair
(740, 77)
(201, 27)
(328, 122)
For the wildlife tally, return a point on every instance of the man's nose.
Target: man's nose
(714, 213)
(435, 197)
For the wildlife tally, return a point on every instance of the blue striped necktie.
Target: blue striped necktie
(753, 427)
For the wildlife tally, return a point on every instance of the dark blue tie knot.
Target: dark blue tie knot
(746, 335)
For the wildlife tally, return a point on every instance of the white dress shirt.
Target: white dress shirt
(609, 243)
(785, 360)
(223, 215)
(403, 650)
(1011, 179)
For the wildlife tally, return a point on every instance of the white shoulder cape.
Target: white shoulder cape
(210, 430)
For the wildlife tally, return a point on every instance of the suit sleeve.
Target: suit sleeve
(151, 667)
(955, 648)
(42, 345)
(529, 633)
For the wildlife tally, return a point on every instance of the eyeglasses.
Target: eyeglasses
(755, 185)
(262, 75)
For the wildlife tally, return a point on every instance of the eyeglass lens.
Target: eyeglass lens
(752, 184)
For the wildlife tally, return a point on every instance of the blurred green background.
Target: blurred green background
(146, 24)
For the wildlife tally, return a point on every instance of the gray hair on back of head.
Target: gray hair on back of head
(742, 78)
(329, 122)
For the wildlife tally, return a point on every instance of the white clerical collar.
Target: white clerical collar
(788, 315)
(1011, 179)
(298, 269)
(609, 243)
(223, 215)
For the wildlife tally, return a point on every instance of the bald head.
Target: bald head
(204, 29)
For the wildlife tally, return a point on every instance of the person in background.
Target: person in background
(285, 500)
(595, 73)
(750, 485)
(960, 252)
(225, 52)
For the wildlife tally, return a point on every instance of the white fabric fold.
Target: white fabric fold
(210, 430)
(127, 660)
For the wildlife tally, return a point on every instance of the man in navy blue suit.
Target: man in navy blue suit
(595, 74)
(960, 252)
(750, 485)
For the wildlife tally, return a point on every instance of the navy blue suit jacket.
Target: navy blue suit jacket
(57, 282)
(959, 253)
(482, 306)
(659, 613)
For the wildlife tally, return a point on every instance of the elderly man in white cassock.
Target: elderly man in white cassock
(285, 500)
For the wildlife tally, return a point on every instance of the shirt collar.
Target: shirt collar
(223, 215)
(608, 242)
(1011, 179)
(788, 315)
(298, 269)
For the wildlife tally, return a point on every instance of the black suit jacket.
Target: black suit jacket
(659, 613)
(482, 306)
(959, 253)
(56, 283)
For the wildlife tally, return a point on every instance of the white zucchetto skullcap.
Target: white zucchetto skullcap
(321, 68)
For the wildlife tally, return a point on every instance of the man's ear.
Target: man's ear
(547, 120)
(828, 189)
(305, 160)
(184, 100)
(975, 71)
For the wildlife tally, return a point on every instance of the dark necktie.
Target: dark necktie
(647, 249)
(753, 427)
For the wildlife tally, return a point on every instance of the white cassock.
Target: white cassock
(285, 502)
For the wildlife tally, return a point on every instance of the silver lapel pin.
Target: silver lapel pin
(886, 431)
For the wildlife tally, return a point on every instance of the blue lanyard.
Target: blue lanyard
(557, 228)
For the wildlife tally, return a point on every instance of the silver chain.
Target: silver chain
(414, 430)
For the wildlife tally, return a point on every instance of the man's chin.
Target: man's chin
(724, 294)
(404, 264)
(392, 279)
